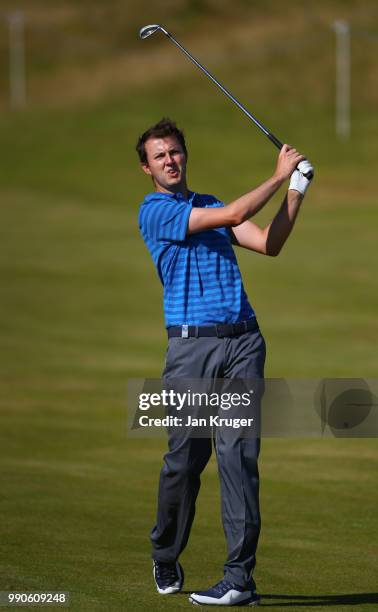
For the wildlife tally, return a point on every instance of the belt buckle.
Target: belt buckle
(184, 331)
(218, 329)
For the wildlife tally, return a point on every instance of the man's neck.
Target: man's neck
(174, 190)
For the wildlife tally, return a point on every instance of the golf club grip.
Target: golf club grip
(279, 145)
(275, 141)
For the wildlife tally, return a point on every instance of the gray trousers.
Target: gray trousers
(240, 357)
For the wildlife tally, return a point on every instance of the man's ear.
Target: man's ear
(146, 168)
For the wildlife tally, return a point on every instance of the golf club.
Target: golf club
(148, 30)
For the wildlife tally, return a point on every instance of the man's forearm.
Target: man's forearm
(240, 210)
(249, 204)
(279, 229)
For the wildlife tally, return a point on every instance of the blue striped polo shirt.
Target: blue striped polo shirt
(199, 272)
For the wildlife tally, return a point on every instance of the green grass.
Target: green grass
(81, 313)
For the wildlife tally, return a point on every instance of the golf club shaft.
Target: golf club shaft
(151, 29)
(261, 127)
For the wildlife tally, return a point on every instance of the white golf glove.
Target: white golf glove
(297, 180)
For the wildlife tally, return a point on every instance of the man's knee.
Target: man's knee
(188, 462)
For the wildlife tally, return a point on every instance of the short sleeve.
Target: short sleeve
(165, 219)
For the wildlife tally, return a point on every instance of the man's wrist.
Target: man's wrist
(295, 197)
(278, 179)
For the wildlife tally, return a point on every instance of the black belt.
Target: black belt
(220, 330)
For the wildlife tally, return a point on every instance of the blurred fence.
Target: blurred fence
(55, 59)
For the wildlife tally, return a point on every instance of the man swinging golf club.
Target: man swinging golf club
(213, 333)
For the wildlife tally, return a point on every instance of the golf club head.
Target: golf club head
(148, 30)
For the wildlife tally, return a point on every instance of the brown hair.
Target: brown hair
(165, 127)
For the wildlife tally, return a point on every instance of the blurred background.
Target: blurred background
(81, 306)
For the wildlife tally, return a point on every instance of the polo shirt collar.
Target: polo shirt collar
(155, 195)
(190, 199)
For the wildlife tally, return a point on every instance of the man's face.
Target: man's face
(166, 163)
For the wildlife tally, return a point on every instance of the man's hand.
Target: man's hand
(288, 160)
(298, 181)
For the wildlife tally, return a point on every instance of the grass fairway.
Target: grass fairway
(81, 313)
